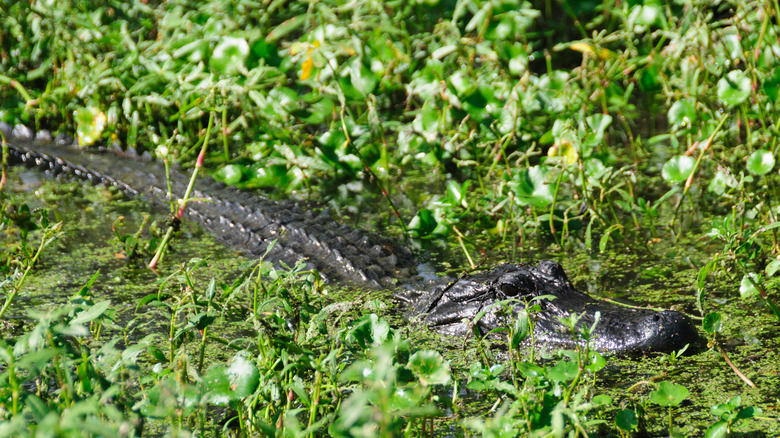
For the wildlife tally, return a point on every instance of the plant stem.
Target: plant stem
(49, 235)
(183, 201)
(735, 369)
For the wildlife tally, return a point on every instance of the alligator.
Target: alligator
(304, 231)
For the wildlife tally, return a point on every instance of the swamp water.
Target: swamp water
(657, 275)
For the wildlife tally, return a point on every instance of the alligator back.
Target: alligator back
(242, 220)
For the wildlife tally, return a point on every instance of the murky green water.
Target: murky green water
(659, 275)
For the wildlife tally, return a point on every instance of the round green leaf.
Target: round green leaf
(271, 176)
(369, 330)
(225, 384)
(243, 376)
(669, 394)
(713, 322)
(430, 367)
(626, 420)
(563, 371)
(734, 88)
(760, 162)
(678, 169)
(596, 362)
(216, 385)
(682, 114)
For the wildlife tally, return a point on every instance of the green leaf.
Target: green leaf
(211, 290)
(713, 322)
(91, 313)
(701, 280)
(84, 291)
(427, 121)
(748, 412)
(772, 85)
(225, 384)
(231, 174)
(317, 112)
(530, 370)
(722, 181)
(147, 299)
(456, 192)
(717, 430)
(244, 376)
(726, 408)
(285, 28)
(201, 320)
(772, 268)
(682, 114)
(423, 223)
(626, 420)
(369, 330)
(430, 367)
(90, 123)
(596, 362)
(530, 187)
(746, 287)
(563, 371)
(229, 54)
(156, 354)
(669, 394)
(734, 88)
(642, 17)
(362, 78)
(602, 400)
(760, 162)
(604, 241)
(270, 176)
(599, 123)
(520, 329)
(678, 169)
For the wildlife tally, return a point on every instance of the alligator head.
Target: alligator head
(618, 330)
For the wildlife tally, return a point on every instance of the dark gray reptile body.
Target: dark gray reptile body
(241, 220)
(250, 222)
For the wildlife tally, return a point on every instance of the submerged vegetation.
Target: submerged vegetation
(629, 137)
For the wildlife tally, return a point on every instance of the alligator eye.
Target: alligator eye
(516, 285)
(509, 289)
(517, 282)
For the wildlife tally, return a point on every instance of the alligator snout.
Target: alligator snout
(619, 329)
(663, 331)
